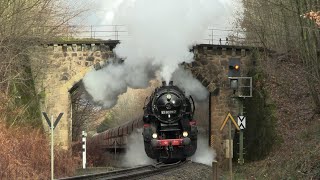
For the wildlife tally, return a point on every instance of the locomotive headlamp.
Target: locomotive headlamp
(168, 96)
(154, 135)
(185, 134)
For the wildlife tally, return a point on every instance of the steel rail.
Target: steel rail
(131, 173)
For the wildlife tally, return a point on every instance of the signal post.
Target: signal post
(241, 88)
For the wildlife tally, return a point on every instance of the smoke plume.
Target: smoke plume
(204, 153)
(161, 35)
(135, 154)
(184, 80)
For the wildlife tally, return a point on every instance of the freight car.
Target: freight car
(115, 139)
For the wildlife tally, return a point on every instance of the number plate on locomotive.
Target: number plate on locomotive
(169, 112)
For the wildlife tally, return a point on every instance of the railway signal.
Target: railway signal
(234, 73)
(234, 67)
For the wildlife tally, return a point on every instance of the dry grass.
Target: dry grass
(25, 154)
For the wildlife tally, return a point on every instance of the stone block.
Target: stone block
(65, 48)
(79, 48)
(74, 47)
(57, 55)
(228, 51)
(55, 47)
(224, 63)
(69, 48)
(243, 52)
(105, 55)
(97, 53)
(233, 52)
(90, 58)
(238, 52)
(93, 47)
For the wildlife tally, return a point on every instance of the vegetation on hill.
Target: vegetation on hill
(260, 133)
(281, 26)
(24, 148)
(25, 155)
(290, 81)
(24, 24)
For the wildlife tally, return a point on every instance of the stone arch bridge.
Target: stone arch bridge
(64, 64)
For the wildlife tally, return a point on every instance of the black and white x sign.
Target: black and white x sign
(242, 122)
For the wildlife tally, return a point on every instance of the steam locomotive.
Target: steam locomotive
(169, 131)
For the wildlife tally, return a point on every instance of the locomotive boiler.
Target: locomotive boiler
(169, 130)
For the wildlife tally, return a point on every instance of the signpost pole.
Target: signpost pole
(230, 150)
(241, 160)
(52, 124)
(52, 143)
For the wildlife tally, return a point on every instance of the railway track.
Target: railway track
(131, 173)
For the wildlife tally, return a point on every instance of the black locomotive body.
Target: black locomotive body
(169, 131)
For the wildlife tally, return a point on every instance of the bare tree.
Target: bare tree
(24, 24)
(280, 26)
(84, 112)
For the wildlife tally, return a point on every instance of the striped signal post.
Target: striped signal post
(84, 149)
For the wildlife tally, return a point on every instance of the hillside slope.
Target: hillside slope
(298, 127)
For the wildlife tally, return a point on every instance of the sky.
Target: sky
(102, 12)
(160, 34)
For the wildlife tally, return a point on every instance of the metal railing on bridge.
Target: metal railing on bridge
(120, 32)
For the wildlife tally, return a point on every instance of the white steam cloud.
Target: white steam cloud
(184, 80)
(161, 35)
(204, 153)
(135, 154)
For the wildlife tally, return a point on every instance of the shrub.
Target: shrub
(25, 154)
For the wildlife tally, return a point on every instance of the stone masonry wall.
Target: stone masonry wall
(64, 66)
(211, 68)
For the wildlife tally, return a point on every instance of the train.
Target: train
(169, 131)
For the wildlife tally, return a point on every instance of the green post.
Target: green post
(241, 160)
